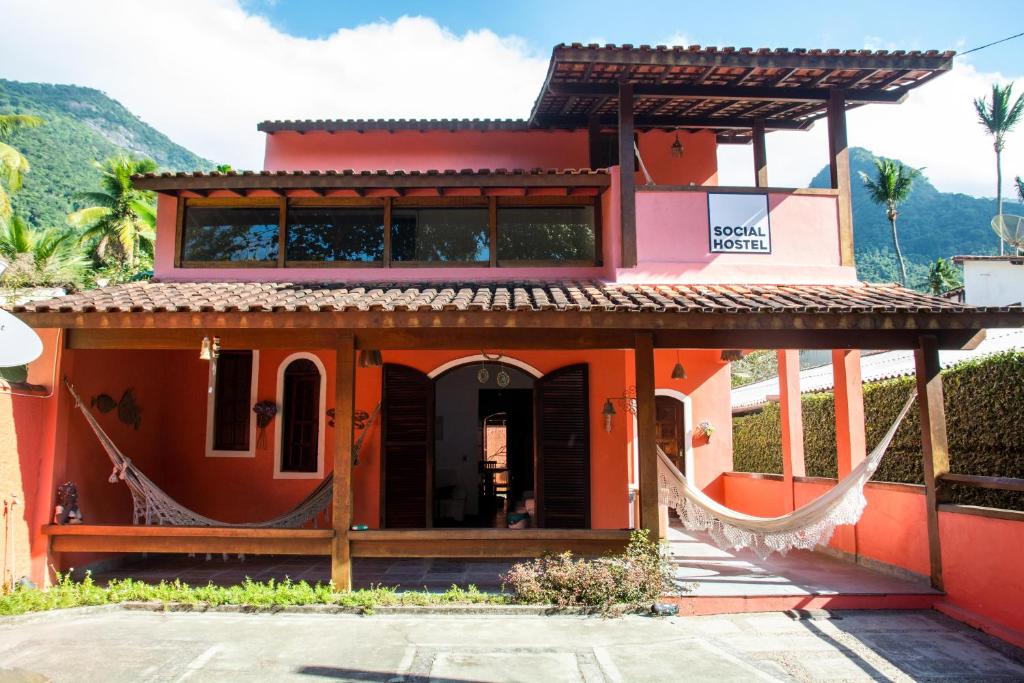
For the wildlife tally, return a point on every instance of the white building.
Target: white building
(992, 280)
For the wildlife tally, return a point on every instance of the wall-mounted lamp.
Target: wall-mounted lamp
(677, 147)
(628, 399)
(370, 358)
(210, 348)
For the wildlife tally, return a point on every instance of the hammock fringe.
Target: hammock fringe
(804, 528)
(151, 506)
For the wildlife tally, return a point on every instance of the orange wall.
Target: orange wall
(981, 557)
(698, 165)
(27, 429)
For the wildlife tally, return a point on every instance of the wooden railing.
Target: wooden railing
(982, 482)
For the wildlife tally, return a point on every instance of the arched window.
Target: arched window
(301, 393)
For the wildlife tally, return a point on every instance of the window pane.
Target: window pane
(440, 234)
(546, 233)
(231, 409)
(230, 234)
(333, 234)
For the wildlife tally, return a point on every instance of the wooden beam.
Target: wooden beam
(627, 177)
(839, 167)
(485, 542)
(934, 444)
(760, 154)
(982, 482)
(725, 92)
(643, 359)
(341, 505)
(672, 121)
(166, 539)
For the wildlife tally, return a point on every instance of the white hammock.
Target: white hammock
(151, 506)
(804, 528)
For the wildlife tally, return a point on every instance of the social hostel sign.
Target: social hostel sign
(738, 223)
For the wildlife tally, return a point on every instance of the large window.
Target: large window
(384, 231)
(457, 234)
(329, 234)
(546, 234)
(231, 234)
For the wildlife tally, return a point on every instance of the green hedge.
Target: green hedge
(984, 421)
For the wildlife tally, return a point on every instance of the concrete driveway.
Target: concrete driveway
(117, 645)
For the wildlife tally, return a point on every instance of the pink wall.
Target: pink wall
(416, 151)
(672, 242)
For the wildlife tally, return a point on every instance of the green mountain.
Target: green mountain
(81, 126)
(931, 224)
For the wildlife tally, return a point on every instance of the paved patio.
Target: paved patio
(696, 562)
(120, 646)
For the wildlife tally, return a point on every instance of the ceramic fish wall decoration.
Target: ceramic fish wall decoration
(128, 409)
(104, 403)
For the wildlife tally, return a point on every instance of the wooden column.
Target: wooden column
(934, 445)
(839, 166)
(341, 509)
(597, 155)
(627, 176)
(643, 359)
(791, 417)
(760, 154)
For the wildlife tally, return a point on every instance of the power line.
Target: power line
(982, 47)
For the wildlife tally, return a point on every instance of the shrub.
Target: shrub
(634, 579)
(984, 401)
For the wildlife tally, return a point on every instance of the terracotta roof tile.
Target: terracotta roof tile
(156, 297)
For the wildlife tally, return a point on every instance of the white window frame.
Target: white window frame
(322, 423)
(211, 410)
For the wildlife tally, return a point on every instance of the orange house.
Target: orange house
(473, 335)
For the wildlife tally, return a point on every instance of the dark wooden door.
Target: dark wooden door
(407, 448)
(671, 437)
(563, 449)
(301, 423)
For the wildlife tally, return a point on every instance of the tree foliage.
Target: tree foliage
(13, 164)
(890, 186)
(39, 258)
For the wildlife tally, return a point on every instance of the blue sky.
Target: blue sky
(939, 25)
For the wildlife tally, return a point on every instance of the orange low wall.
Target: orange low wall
(981, 556)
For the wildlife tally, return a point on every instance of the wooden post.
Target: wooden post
(627, 176)
(934, 445)
(760, 154)
(597, 156)
(341, 510)
(839, 166)
(791, 416)
(643, 359)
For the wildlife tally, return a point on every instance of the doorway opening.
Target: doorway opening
(670, 423)
(484, 448)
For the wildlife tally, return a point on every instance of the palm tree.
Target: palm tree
(13, 164)
(942, 277)
(39, 257)
(120, 218)
(999, 117)
(889, 188)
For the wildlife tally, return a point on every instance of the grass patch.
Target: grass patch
(271, 594)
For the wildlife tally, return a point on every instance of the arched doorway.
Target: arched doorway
(485, 443)
(672, 424)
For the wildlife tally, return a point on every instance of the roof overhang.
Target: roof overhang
(321, 182)
(722, 89)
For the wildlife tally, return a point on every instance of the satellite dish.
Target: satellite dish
(1010, 229)
(19, 344)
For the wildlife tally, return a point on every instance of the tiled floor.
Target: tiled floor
(695, 560)
(719, 573)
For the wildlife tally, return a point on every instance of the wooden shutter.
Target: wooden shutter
(407, 448)
(231, 401)
(563, 448)
(301, 419)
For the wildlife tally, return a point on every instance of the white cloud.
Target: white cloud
(935, 127)
(205, 72)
